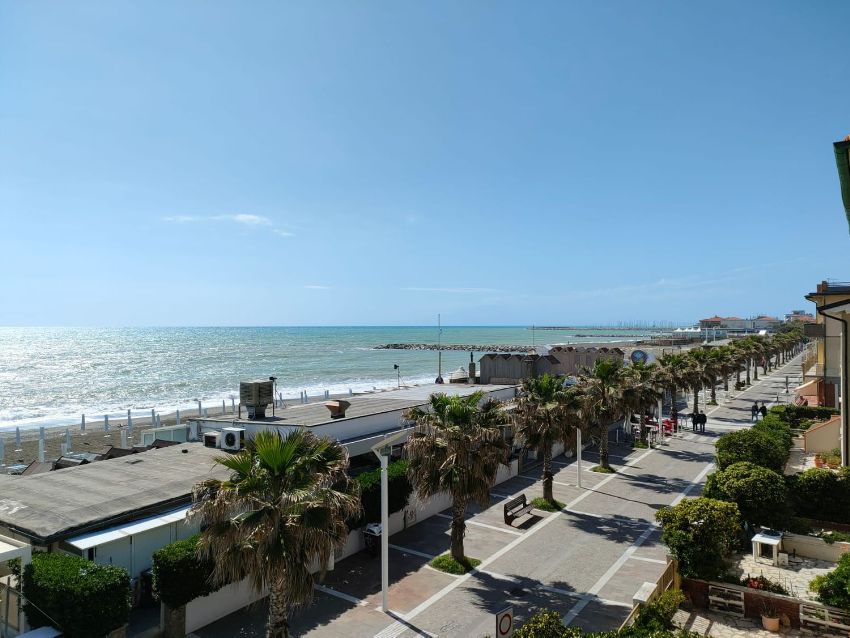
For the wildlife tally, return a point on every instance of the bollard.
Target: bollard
(17, 439)
(178, 417)
(83, 426)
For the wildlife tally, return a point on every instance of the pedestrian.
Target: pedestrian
(702, 421)
(754, 411)
(763, 410)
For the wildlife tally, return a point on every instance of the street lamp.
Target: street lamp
(274, 391)
(398, 374)
(842, 162)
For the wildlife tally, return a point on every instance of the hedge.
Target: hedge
(179, 576)
(757, 446)
(821, 494)
(85, 599)
(833, 588)
(759, 493)
(399, 489)
(796, 414)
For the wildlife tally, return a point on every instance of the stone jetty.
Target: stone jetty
(471, 347)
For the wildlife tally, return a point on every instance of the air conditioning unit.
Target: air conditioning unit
(232, 439)
(212, 439)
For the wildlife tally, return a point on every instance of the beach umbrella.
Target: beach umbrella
(178, 417)
(83, 425)
(129, 421)
(68, 438)
(17, 439)
(106, 423)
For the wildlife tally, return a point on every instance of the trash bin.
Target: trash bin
(372, 538)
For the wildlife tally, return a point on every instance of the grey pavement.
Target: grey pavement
(586, 562)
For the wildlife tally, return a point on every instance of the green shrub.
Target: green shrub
(759, 493)
(544, 624)
(774, 426)
(179, 576)
(541, 503)
(752, 445)
(445, 563)
(85, 599)
(821, 494)
(834, 588)
(658, 615)
(699, 533)
(398, 486)
(796, 414)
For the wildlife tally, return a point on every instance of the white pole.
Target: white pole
(129, 421)
(41, 446)
(223, 407)
(17, 439)
(106, 423)
(178, 417)
(2, 456)
(200, 413)
(578, 456)
(385, 531)
(124, 438)
(232, 405)
(83, 425)
(158, 420)
(153, 418)
(660, 424)
(68, 438)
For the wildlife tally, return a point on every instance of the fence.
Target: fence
(651, 591)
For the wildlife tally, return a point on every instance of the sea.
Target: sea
(51, 376)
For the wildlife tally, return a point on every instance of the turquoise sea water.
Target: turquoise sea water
(49, 376)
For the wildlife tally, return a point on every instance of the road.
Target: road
(585, 562)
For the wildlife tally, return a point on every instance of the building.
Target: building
(799, 315)
(564, 360)
(736, 324)
(825, 371)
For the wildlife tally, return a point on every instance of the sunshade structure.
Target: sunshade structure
(842, 161)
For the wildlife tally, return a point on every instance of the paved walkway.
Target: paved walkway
(586, 562)
(708, 623)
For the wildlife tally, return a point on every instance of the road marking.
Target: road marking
(646, 559)
(494, 527)
(414, 552)
(339, 594)
(541, 480)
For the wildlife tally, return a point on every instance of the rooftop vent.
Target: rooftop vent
(337, 408)
(255, 396)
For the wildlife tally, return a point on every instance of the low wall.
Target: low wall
(813, 547)
(697, 592)
(203, 611)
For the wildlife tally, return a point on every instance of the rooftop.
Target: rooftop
(47, 507)
(315, 414)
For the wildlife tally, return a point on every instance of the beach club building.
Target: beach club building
(560, 360)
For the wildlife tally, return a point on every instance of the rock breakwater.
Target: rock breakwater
(469, 347)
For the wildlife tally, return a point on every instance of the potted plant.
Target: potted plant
(769, 615)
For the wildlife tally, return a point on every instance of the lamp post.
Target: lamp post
(274, 391)
(398, 374)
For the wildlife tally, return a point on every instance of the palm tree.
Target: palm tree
(638, 390)
(598, 390)
(457, 448)
(699, 373)
(672, 374)
(282, 510)
(541, 420)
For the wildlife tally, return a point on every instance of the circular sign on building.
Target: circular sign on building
(639, 356)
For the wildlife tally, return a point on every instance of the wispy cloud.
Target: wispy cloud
(316, 287)
(451, 290)
(247, 220)
(243, 219)
(182, 219)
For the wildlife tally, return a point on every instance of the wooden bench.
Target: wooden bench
(515, 508)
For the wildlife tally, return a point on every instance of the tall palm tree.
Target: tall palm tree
(598, 389)
(282, 510)
(672, 374)
(699, 373)
(457, 448)
(638, 391)
(542, 420)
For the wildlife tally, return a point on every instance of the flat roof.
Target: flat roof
(52, 506)
(314, 414)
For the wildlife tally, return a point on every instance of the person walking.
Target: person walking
(754, 411)
(763, 410)
(703, 419)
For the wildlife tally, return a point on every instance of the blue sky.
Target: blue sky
(230, 163)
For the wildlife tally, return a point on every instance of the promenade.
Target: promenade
(586, 562)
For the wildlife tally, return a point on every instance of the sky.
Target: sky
(377, 163)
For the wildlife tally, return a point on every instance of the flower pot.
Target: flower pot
(771, 624)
